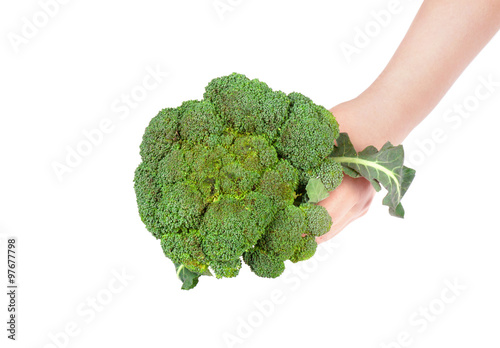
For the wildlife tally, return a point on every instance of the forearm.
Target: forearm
(443, 39)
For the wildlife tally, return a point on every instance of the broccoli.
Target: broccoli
(225, 179)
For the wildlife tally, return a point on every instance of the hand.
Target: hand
(440, 43)
(352, 199)
(346, 203)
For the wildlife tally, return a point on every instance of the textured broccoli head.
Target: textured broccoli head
(318, 221)
(284, 233)
(185, 248)
(305, 249)
(280, 183)
(226, 269)
(328, 171)
(199, 122)
(148, 195)
(180, 207)
(254, 153)
(231, 226)
(263, 264)
(248, 106)
(222, 179)
(160, 136)
(308, 135)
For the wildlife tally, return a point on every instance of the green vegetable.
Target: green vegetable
(316, 190)
(188, 278)
(384, 167)
(234, 177)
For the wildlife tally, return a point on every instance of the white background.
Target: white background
(74, 233)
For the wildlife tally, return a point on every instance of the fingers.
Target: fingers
(340, 201)
(347, 203)
(340, 206)
(338, 227)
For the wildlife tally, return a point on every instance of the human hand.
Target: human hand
(440, 43)
(350, 201)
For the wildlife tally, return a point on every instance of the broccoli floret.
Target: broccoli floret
(231, 226)
(284, 234)
(236, 180)
(263, 264)
(249, 106)
(305, 249)
(227, 269)
(318, 221)
(200, 123)
(254, 153)
(160, 135)
(207, 161)
(181, 207)
(280, 183)
(329, 172)
(221, 178)
(309, 134)
(173, 167)
(148, 193)
(206, 164)
(185, 248)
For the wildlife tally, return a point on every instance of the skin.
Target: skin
(443, 39)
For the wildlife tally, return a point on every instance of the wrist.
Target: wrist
(371, 120)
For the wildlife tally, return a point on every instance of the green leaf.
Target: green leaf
(382, 168)
(316, 191)
(189, 279)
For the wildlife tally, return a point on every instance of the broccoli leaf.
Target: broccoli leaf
(382, 168)
(189, 279)
(316, 191)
